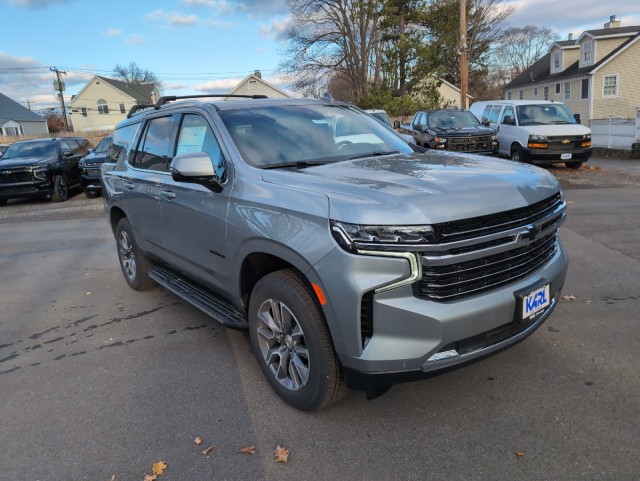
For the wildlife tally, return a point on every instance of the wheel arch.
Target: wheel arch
(115, 215)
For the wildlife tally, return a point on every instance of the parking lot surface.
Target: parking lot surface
(99, 382)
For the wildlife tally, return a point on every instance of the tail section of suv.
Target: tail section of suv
(354, 262)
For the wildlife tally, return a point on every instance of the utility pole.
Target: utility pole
(464, 67)
(59, 86)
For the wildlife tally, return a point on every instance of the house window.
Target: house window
(610, 86)
(546, 93)
(535, 91)
(253, 85)
(567, 90)
(122, 110)
(521, 95)
(556, 60)
(586, 52)
(84, 111)
(558, 88)
(584, 91)
(103, 108)
(508, 95)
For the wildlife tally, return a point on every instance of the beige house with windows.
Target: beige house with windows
(254, 84)
(595, 75)
(104, 102)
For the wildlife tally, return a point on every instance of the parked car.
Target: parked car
(90, 167)
(536, 131)
(451, 129)
(3, 147)
(383, 117)
(43, 167)
(353, 263)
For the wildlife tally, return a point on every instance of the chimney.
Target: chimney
(612, 23)
(570, 35)
(257, 74)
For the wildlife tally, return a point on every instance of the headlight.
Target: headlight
(40, 173)
(537, 138)
(440, 140)
(494, 137)
(353, 237)
(586, 137)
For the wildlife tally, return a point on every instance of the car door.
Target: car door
(508, 129)
(194, 217)
(144, 180)
(72, 151)
(418, 126)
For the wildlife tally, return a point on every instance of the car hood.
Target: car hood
(557, 130)
(471, 130)
(25, 162)
(420, 188)
(93, 159)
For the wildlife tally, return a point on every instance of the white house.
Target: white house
(16, 120)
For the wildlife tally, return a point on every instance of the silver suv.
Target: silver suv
(354, 259)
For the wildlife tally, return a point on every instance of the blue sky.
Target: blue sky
(194, 46)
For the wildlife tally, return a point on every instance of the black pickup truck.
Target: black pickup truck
(451, 129)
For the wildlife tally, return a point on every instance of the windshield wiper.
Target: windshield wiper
(375, 154)
(300, 164)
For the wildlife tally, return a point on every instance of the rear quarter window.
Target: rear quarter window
(121, 144)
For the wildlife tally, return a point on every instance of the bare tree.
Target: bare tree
(520, 47)
(133, 74)
(328, 36)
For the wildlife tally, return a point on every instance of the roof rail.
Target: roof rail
(137, 107)
(170, 98)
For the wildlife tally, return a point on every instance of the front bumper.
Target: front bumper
(23, 190)
(541, 156)
(413, 338)
(91, 183)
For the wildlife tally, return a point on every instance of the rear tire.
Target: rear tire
(134, 264)
(60, 189)
(292, 343)
(3, 202)
(573, 165)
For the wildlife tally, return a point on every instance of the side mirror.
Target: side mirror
(396, 124)
(577, 117)
(486, 123)
(419, 127)
(197, 168)
(90, 151)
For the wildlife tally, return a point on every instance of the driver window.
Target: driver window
(196, 136)
(65, 148)
(508, 116)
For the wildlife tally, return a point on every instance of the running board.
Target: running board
(199, 296)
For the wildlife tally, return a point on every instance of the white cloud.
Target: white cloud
(277, 29)
(135, 39)
(112, 32)
(37, 3)
(173, 19)
(177, 86)
(218, 6)
(213, 22)
(218, 86)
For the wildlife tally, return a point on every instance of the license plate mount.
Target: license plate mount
(532, 301)
(565, 156)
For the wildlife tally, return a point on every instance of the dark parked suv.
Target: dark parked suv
(43, 167)
(90, 167)
(353, 258)
(452, 129)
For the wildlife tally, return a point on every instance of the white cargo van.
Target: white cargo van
(536, 131)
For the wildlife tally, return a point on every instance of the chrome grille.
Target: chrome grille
(485, 253)
(15, 176)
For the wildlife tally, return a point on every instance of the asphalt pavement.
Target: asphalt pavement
(99, 382)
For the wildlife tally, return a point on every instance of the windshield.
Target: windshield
(44, 148)
(544, 114)
(290, 135)
(452, 119)
(103, 146)
(382, 117)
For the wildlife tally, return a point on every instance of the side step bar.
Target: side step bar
(198, 296)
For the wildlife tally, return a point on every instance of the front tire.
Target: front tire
(516, 154)
(134, 263)
(60, 189)
(292, 344)
(573, 165)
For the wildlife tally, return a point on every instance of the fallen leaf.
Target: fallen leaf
(197, 440)
(248, 449)
(148, 477)
(113, 476)
(88, 293)
(159, 467)
(570, 202)
(282, 454)
(520, 454)
(570, 297)
(208, 450)
(589, 302)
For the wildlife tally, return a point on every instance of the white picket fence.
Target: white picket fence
(615, 132)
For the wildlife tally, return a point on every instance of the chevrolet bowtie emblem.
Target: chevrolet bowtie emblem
(565, 141)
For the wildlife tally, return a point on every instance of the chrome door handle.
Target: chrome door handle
(129, 186)
(167, 194)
